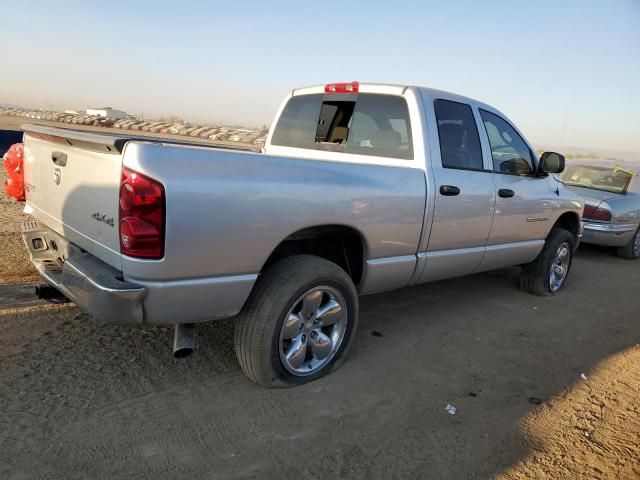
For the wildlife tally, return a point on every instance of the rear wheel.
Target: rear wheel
(547, 274)
(298, 323)
(631, 250)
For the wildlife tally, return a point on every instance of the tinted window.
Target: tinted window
(298, 122)
(366, 124)
(510, 153)
(458, 134)
(380, 126)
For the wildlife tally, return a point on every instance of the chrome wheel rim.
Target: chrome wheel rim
(313, 330)
(560, 267)
(636, 244)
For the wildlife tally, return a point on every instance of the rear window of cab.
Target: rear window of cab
(363, 124)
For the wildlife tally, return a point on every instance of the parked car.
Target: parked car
(360, 188)
(612, 202)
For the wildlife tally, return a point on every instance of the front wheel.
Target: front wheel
(547, 274)
(631, 250)
(298, 322)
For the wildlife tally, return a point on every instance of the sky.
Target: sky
(566, 72)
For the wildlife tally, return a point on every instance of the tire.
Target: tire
(536, 276)
(262, 339)
(631, 250)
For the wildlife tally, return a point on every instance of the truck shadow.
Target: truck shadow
(88, 394)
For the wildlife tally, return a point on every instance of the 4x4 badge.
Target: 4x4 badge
(101, 217)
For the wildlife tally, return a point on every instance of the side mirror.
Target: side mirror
(551, 162)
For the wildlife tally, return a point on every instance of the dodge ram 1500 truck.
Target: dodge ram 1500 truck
(360, 188)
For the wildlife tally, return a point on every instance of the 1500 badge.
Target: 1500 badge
(101, 217)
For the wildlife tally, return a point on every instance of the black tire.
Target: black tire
(535, 276)
(258, 326)
(629, 251)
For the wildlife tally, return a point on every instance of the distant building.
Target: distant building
(106, 112)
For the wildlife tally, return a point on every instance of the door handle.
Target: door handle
(506, 193)
(449, 190)
(59, 158)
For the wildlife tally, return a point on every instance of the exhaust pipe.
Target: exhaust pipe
(50, 294)
(184, 340)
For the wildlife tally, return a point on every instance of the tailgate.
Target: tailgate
(72, 182)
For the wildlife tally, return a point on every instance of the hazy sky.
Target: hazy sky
(567, 72)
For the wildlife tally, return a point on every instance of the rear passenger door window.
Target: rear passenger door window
(510, 153)
(458, 135)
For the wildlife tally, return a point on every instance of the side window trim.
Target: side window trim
(487, 158)
(534, 160)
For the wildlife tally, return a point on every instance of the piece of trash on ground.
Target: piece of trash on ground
(583, 376)
(451, 410)
(535, 400)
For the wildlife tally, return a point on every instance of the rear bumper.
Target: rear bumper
(93, 285)
(101, 290)
(614, 235)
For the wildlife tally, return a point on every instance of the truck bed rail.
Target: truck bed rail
(108, 142)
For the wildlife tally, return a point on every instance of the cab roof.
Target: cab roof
(398, 89)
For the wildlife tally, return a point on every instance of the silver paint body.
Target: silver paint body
(624, 208)
(227, 211)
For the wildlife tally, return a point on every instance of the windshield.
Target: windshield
(612, 179)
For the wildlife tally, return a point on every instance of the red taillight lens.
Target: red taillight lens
(142, 216)
(351, 87)
(14, 184)
(595, 213)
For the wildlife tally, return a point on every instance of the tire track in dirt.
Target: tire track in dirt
(591, 430)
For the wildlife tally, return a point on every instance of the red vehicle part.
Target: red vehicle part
(14, 185)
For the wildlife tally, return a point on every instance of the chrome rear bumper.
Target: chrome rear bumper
(610, 234)
(93, 285)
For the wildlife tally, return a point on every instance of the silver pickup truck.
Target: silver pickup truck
(360, 188)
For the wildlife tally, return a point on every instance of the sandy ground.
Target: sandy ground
(81, 401)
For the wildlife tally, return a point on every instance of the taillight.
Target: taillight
(595, 213)
(351, 87)
(13, 164)
(142, 216)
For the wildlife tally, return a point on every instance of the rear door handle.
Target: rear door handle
(59, 158)
(449, 190)
(506, 193)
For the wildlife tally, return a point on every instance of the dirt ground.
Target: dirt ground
(81, 401)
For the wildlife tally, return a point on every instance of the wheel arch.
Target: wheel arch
(569, 221)
(341, 244)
